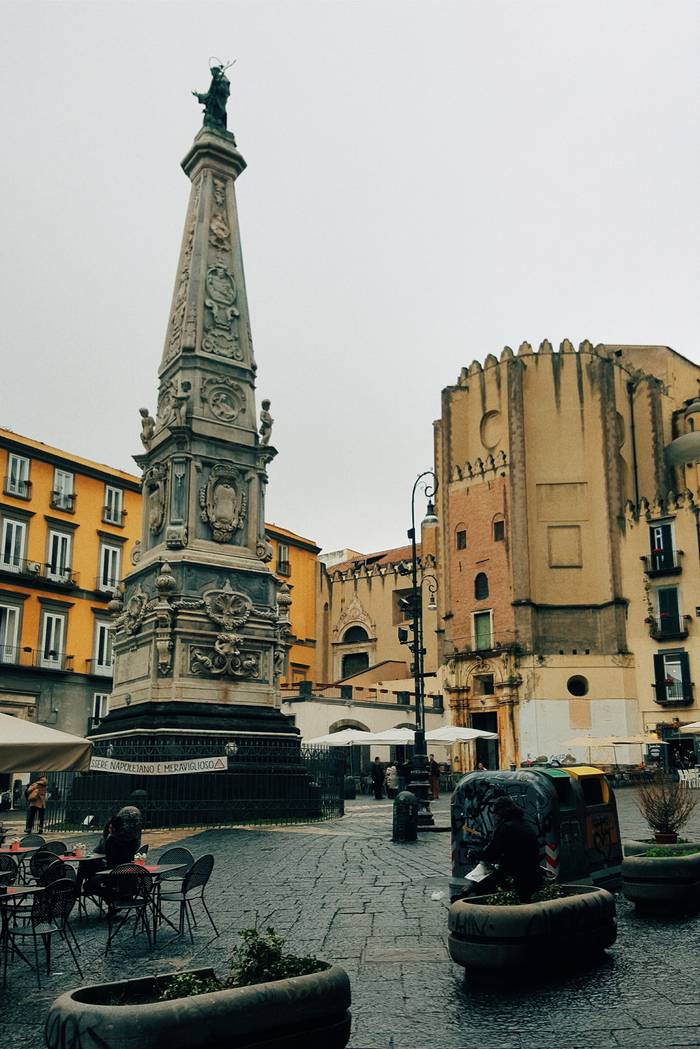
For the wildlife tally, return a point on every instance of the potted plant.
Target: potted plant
(488, 934)
(269, 998)
(666, 806)
(663, 878)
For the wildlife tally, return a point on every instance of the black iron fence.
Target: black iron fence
(247, 781)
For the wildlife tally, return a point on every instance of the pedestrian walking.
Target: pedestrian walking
(36, 804)
(392, 780)
(378, 779)
(434, 778)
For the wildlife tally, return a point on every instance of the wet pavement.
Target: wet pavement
(344, 891)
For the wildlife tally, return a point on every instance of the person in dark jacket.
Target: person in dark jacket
(515, 848)
(120, 846)
(378, 779)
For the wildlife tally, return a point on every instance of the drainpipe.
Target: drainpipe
(633, 437)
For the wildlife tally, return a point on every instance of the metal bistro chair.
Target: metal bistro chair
(29, 841)
(177, 855)
(8, 870)
(193, 887)
(127, 890)
(59, 848)
(55, 872)
(48, 917)
(39, 861)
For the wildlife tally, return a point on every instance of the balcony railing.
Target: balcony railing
(667, 627)
(28, 569)
(33, 657)
(63, 501)
(284, 568)
(662, 562)
(113, 517)
(21, 566)
(106, 586)
(17, 489)
(673, 692)
(92, 666)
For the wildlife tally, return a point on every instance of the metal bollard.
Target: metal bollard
(405, 817)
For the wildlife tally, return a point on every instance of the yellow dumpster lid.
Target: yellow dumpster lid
(584, 770)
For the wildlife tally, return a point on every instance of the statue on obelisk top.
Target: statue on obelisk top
(215, 99)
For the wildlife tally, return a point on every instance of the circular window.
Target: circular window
(577, 685)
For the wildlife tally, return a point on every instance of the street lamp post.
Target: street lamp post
(420, 775)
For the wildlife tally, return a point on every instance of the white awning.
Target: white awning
(26, 747)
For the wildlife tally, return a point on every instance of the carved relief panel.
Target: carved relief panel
(224, 502)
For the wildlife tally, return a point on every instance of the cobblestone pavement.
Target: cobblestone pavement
(344, 891)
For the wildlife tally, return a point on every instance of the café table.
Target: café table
(11, 895)
(22, 854)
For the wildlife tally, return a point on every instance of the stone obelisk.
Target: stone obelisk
(201, 624)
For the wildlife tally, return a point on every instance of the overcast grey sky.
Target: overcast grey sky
(426, 182)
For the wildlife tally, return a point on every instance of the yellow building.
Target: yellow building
(295, 562)
(67, 528)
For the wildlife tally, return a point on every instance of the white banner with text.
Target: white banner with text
(213, 763)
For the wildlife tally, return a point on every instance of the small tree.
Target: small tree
(665, 805)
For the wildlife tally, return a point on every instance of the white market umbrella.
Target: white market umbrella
(27, 747)
(393, 737)
(693, 727)
(632, 740)
(456, 734)
(347, 737)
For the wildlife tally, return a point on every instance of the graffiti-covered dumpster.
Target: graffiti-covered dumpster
(572, 809)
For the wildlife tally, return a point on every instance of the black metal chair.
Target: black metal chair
(176, 855)
(39, 861)
(8, 870)
(193, 886)
(29, 841)
(48, 917)
(127, 890)
(59, 848)
(55, 872)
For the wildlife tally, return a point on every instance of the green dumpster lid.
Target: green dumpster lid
(555, 773)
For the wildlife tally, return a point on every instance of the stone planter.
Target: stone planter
(486, 938)
(660, 883)
(305, 1012)
(633, 847)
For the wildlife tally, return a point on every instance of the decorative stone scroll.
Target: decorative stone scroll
(154, 483)
(177, 316)
(224, 397)
(132, 616)
(227, 607)
(224, 502)
(226, 659)
(221, 321)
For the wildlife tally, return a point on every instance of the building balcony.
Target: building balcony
(112, 517)
(662, 563)
(32, 658)
(18, 489)
(106, 586)
(64, 501)
(673, 693)
(93, 667)
(35, 570)
(668, 627)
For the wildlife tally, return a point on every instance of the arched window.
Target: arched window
(355, 634)
(354, 663)
(481, 586)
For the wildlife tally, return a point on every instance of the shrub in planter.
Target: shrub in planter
(666, 806)
(269, 1000)
(663, 879)
(486, 935)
